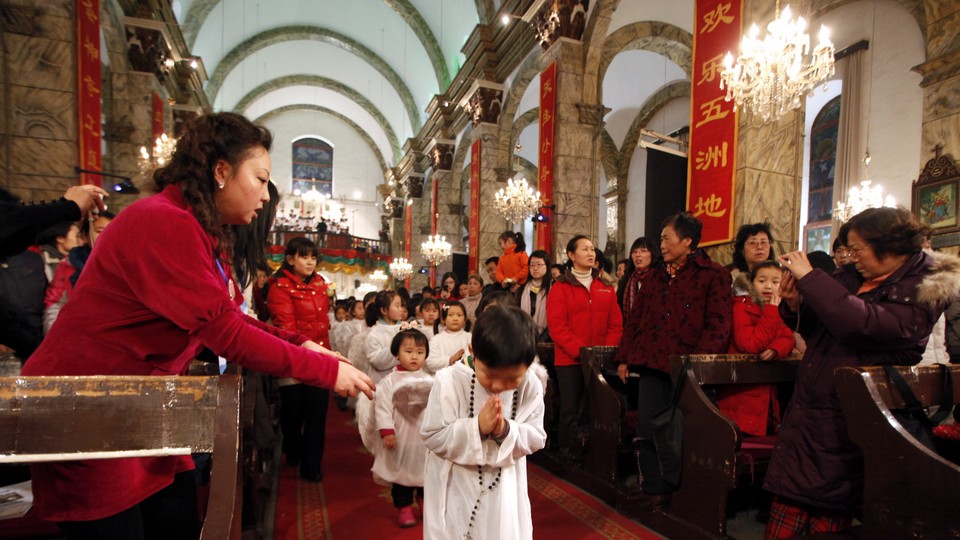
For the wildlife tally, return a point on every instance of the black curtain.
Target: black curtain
(666, 189)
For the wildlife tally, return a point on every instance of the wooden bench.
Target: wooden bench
(713, 448)
(909, 490)
(69, 418)
(610, 433)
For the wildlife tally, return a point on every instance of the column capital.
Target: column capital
(939, 68)
(441, 153)
(483, 102)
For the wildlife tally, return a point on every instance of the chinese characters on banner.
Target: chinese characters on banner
(407, 235)
(434, 208)
(713, 123)
(548, 113)
(88, 89)
(474, 225)
(157, 116)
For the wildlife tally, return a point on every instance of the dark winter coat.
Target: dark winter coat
(300, 307)
(689, 314)
(815, 461)
(579, 318)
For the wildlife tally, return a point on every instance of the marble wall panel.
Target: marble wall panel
(57, 8)
(764, 196)
(566, 227)
(938, 9)
(41, 183)
(941, 99)
(944, 131)
(574, 142)
(943, 36)
(772, 146)
(489, 246)
(40, 62)
(45, 157)
(574, 204)
(118, 83)
(61, 28)
(573, 175)
(44, 114)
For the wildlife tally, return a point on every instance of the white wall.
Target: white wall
(356, 171)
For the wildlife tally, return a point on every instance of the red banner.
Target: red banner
(474, 228)
(434, 215)
(88, 89)
(548, 113)
(157, 116)
(713, 122)
(407, 235)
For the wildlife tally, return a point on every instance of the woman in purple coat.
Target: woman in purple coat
(879, 311)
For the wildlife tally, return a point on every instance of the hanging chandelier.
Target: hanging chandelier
(379, 276)
(773, 75)
(862, 197)
(162, 151)
(517, 201)
(401, 268)
(436, 249)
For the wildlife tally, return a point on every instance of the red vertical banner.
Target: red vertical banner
(157, 116)
(548, 113)
(407, 235)
(474, 226)
(713, 122)
(434, 215)
(89, 89)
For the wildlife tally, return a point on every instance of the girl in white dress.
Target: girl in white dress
(484, 416)
(377, 345)
(450, 343)
(399, 404)
(429, 313)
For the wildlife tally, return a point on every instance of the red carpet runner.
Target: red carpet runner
(348, 505)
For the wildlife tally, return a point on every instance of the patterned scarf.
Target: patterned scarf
(633, 289)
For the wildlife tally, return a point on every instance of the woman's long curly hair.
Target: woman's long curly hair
(207, 140)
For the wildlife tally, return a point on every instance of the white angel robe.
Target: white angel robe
(399, 404)
(377, 350)
(443, 346)
(451, 480)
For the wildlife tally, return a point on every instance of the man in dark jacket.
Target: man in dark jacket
(685, 307)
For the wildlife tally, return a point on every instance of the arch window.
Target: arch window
(312, 164)
(823, 158)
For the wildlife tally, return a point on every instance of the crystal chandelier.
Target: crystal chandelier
(436, 249)
(401, 268)
(861, 198)
(517, 201)
(163, 149)
(379, 276)
(772, 75)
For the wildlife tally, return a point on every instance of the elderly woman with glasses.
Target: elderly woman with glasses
(878, 310)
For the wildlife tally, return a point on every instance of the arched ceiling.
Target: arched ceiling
(377, 62)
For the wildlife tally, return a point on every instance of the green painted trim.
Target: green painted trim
(312, 33)
(650, 107)
(666, 39)
(317, 108)
(193, 21)
(408, 12)
(330, 84)
(521, 123)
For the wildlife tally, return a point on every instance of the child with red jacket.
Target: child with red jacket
(757, 329)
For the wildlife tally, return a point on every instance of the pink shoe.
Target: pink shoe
(405, 517)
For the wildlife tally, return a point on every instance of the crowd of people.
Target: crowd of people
(446, 383)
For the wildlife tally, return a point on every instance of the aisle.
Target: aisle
(347, 504)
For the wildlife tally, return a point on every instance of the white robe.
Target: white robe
(399, 404)
(377, 350)
(443, 346)
(456, 448)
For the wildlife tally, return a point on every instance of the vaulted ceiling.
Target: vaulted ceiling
(376, 62)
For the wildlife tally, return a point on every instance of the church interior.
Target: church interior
(408, 135)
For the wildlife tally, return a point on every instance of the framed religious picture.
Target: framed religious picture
(935, 198)
(816, 237)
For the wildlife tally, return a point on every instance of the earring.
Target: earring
(220, 185)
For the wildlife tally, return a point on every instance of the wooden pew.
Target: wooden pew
(610, 435)
(909, 491)
(67, 418)
(713, 456)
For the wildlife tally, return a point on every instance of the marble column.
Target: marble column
(575, 154)
(492, 178)
(941, 82)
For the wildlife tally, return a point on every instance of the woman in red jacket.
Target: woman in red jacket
(297, 301)
(757, 329)
(582, 311)
(512, 267)
(150, 314)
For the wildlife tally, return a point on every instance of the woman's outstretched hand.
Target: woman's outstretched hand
(352, 382)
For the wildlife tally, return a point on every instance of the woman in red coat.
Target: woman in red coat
(157, 289)
(582, 311)
(297, 301)
(757, 329)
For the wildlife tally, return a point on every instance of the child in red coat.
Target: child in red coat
(757, 329)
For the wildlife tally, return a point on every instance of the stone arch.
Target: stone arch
(330, 84)
(485, 10)
(610, 157)
(650, 107)
(200, 9)
(312, 33)
(530, 68)
(676, 44)
(593, 42)
(521, 123)
(317, 108)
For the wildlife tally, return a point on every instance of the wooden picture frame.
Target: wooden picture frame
(936, 198)
(818, 237)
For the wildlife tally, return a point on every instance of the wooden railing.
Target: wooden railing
(332, 241)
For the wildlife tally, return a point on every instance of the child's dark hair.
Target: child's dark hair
(760, 265)
(496, 298)
(299, 246)
(429, 302)
(446, 309)
(418, 337)
(383, 301)
(371, 314)
(413, 303)
(504, 336)
(517, 239)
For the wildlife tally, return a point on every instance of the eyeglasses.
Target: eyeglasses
(755, 244)
(855, 250)
(844, 253)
